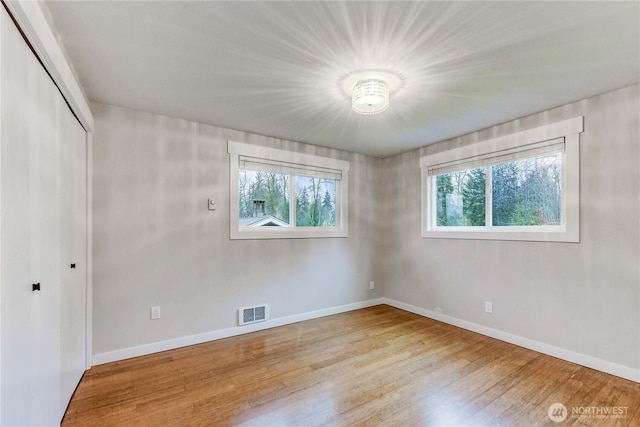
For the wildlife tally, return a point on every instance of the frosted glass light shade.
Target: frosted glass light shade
(370, 96)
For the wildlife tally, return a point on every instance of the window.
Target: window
(282, 194)
(523, 186)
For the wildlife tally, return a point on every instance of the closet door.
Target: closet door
(15, 269)
(31, 254)
(42, 232)
(44, 242)
(73, 228)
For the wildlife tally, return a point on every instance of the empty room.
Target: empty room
(319, 213)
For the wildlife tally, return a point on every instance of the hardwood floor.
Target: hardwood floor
(370, 367)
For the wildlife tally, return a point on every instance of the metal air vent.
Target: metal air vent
(258, 313)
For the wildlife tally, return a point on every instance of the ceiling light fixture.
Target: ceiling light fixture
(369, 90)
(370, 96)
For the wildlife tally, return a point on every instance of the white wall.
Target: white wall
(582, 297)
(156, 244)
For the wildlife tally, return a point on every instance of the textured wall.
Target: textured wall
(156, 244)
(583, 297)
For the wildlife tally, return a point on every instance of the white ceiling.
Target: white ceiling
(276, 68)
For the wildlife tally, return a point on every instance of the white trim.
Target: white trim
(89, 261)
(34, 25)
(288, 168)
(0, 224)
(548, 349)
(569, 231)
(262, 152)
(155, 347)
(506, 142)
(237, 150)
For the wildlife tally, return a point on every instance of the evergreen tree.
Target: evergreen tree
(473, 202)
(314, 214)
(272, 187)
(302, 207)
(540, 192)
(444, 186)
(328, 212)
(524, 215)
(504, 184)
(272, 193)
(314, 197)
(283, 208)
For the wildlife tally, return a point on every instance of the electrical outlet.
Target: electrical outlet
(488, 307)
(372, 285)
(155, 313)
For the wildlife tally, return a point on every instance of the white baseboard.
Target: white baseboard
(561, 353)
(155, 347)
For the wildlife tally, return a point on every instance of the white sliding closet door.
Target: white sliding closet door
(73, 227)
(30, 319)
(42, 232)
(15, 270)
(42, 100)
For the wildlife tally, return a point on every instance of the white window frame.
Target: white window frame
(299, 163)
(499, 150)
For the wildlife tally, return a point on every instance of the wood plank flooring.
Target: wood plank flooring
(378, 366)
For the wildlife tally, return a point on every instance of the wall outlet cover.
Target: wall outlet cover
(488, 307)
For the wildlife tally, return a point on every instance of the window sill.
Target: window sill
(549, 234)
(287, 233)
